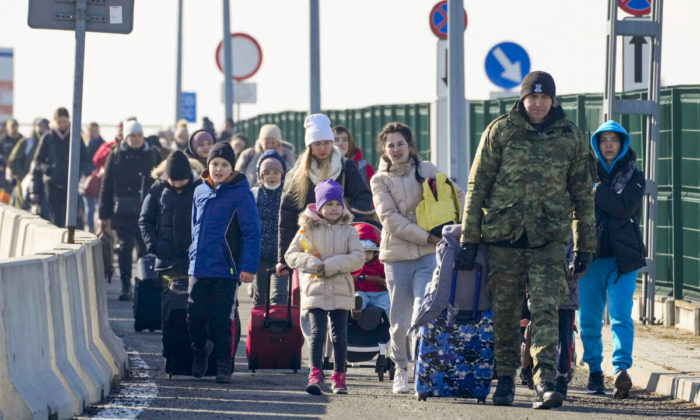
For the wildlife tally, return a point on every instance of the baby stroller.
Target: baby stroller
(368, 337)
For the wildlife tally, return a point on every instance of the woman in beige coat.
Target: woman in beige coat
(407, 251)
(325, 251)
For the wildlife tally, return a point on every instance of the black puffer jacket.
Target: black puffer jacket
(126, 182)
(617, 216)
(356, 192)
(166, 224)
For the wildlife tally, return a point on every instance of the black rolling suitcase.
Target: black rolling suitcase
(147, 291)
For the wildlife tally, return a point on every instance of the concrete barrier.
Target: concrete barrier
(28, 364)
(93, 283)
(60, 358)
(37, 235)
(9, 231)
(57, 350)
(97, 290)
(96, 371)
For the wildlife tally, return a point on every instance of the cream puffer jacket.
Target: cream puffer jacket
(396, 194)
(334, 251)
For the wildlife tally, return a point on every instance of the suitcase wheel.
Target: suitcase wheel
(421, 397)
(327, 364)
(481, 400)
(151, 329)
(253, 364)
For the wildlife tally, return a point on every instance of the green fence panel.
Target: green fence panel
(678, 227)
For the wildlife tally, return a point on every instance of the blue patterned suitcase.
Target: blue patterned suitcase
(455, 359)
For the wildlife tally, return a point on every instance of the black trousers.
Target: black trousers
(127, 238)
(211, 303)
(56, 199)
(567, 318)
(339, 333)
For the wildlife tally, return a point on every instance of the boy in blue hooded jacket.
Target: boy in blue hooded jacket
(619, 193)
(225, 249)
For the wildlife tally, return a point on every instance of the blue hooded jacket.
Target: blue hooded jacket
(218, 215)
(617, 128)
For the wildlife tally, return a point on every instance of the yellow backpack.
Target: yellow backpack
(440, 205)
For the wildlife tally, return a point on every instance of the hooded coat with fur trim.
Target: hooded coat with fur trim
(159, 171)
(247, 162)
(334, 252)
(165, 222)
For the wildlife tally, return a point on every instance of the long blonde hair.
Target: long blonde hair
(297, 183)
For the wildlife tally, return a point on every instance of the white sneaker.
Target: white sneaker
(401, 381)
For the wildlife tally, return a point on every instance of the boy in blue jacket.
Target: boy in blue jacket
(225, 230)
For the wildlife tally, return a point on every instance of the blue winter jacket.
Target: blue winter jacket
(225, 229)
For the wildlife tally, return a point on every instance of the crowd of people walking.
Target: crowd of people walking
(217, 212)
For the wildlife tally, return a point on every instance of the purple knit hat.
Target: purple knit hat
(326, 191)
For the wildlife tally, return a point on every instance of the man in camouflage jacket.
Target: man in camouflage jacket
(529, 174)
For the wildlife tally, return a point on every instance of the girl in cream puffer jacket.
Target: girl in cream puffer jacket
(325, 251)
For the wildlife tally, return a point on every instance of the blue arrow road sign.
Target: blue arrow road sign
(189, 106)
(507, 64)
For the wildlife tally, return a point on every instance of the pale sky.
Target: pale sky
(372, 52)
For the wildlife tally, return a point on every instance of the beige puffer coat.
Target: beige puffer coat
(396, 194)
(325, 280)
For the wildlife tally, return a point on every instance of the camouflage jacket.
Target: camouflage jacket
(524, 179)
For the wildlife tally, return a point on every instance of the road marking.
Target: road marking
(135, 394)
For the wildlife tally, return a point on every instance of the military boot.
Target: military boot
(505, 391)
(547, 397)
(223, 371)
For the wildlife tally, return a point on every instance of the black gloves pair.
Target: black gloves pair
(464, 260)
(579, 266)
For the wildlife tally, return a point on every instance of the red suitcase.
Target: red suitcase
(274, 334)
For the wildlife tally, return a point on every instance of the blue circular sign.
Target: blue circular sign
(507, 64)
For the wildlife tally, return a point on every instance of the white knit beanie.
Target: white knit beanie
(131, 127)
(318, 128)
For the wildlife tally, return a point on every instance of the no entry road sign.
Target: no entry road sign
(247, 56)
(635, 7)
(507, 64)
(438, 20)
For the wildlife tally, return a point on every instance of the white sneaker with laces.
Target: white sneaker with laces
(401, 381)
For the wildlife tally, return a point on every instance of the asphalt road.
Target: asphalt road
(148, 394)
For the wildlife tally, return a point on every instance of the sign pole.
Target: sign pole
(228, 61)
(456, 113)
(75, 132)
(315, 53)
(178, 82)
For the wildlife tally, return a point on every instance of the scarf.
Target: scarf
(623, 176)
(336, 168)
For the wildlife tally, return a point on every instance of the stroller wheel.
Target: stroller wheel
(392, 369)
(380, 375)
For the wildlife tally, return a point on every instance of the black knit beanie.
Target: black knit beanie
(538, 82)
(177, 166)
(222, 150)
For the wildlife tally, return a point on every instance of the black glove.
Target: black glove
(579, 266)
(464, 260)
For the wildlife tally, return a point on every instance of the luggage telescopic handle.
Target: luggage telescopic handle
(270, 272)
(477, 290)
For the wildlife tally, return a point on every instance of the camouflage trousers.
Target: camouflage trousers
(541, 272)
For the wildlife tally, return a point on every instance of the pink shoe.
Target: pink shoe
(338, 383)
(315, 382)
